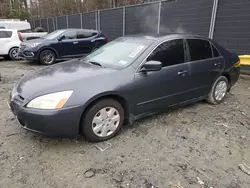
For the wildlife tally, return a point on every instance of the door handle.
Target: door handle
(75, 42)
(182, 72)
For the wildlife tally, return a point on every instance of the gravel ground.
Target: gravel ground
(194, 146)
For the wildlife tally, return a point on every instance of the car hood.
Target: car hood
(60, 77)
(39, 40)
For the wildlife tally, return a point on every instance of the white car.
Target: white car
(10, 40)
(23, 27)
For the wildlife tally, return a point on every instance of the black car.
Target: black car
(62, 44)
(126, 79)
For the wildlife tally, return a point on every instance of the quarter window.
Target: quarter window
(169, 53)
(85, 34)
(215, 52)
(199, 49)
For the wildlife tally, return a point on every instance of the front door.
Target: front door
(206, 64)
(67, 45)
(85, 41)
(169, 86)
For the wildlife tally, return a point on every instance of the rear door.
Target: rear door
(206, 64)
(5, 38)
(85, 41)
(67, 46)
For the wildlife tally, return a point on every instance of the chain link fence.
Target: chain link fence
(227, 21)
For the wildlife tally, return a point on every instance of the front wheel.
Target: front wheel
(218, 91)
(47, 57)
(103, 120)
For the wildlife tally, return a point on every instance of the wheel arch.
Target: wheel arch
(227, 75)
(48, 48)
(122, 100)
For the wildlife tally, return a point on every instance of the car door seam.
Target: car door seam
(156, 99)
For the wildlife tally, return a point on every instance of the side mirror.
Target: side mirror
(152, 66)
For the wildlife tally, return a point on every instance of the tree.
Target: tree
(48, 8)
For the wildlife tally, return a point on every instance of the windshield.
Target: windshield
(119, 53)
(54, 34)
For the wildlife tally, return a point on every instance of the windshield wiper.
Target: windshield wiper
(95, 63)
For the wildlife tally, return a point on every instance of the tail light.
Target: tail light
(106, 40)
(237, 64)
(20, 36)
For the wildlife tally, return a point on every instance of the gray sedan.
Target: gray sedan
(126, 79)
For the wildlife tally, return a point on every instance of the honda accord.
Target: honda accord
(124, 80)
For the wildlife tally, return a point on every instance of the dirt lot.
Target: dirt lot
(195, 146)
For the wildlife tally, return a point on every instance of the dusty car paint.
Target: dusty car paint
(140, 93)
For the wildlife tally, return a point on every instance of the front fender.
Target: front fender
(48, 48)
(103, 95)
(110, 94)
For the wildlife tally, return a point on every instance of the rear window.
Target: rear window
(85, 34)
(5, 34)
(199, 49)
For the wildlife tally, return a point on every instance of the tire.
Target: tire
(96, 113)
(214, 97)
(7, 57)
(13, 53)
(47, 57)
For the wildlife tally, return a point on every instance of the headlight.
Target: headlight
(32, 45)
(50, 101)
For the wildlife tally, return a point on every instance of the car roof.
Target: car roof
(156, 37)
(77, 29)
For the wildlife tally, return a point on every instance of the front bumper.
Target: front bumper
(62, 122)
(28, 54)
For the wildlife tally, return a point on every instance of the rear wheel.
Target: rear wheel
(103, 120)
(13, 53)
(47, 57)
(219, 91)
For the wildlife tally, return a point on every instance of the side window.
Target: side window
(9, 33)
(69, 35)
(169, 53)
(85, 34)
(199, 49)
(5, 34)
(215, 52)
